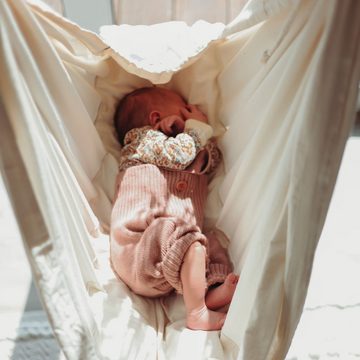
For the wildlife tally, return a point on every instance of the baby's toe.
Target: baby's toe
(231, 279)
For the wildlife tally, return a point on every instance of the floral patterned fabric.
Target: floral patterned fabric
(149, 146)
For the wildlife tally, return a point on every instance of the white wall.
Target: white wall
(91, 14)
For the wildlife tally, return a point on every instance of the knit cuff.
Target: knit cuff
(217, 273)
(174, 258)
(205, 131)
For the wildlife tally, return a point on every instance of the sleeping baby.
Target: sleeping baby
(156, 243)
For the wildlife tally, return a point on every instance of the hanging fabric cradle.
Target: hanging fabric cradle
(279, 86)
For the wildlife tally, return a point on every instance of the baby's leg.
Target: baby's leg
(222, 295)
(198, 316)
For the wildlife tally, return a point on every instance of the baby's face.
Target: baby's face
(171, 104)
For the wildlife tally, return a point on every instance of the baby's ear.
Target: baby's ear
(154, 118)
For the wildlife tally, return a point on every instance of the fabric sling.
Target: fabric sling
(279, 86)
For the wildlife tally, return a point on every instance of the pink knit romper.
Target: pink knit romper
(158, 213)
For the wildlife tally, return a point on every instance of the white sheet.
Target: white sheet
(269, 93)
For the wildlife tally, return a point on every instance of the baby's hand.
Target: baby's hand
(193, 112)
(170, 125)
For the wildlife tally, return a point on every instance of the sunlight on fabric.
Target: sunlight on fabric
(159, 49)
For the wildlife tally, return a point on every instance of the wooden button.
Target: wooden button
(181, 185)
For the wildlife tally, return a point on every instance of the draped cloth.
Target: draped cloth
(279, 85)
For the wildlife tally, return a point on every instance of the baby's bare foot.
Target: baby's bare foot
(223, 294)
(205, 319)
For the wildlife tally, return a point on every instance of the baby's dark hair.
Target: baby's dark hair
(130, 113)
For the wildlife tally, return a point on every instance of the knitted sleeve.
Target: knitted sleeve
(214, 157)
(219, 262)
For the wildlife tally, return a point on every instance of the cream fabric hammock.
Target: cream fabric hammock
(279, 86)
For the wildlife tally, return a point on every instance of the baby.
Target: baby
(157, 244)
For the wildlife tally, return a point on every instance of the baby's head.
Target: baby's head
(147, 106)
